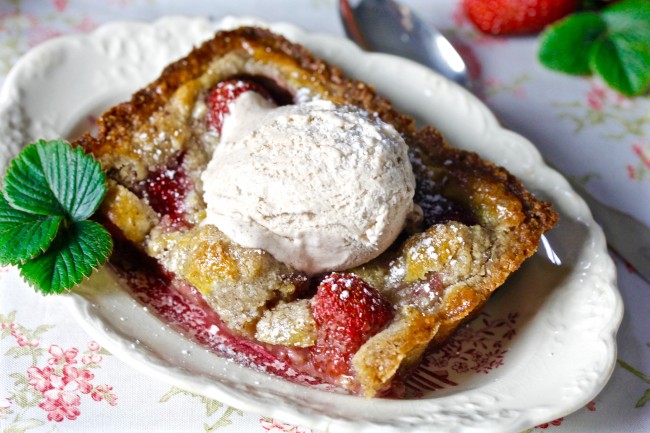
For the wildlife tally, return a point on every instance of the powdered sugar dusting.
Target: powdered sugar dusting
(304, 95)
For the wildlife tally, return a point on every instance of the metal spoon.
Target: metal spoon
(387, 26)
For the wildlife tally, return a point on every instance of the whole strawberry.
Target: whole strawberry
(347, 312)
(504, 17)
(223, 94)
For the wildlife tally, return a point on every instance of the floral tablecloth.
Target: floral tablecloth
(53, 377)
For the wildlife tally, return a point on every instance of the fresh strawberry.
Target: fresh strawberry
(224, 93)
(347, 312)
(502, 17)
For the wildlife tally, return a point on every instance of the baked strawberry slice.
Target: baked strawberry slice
(502, 17)
(166, 190)
(347, 312)
(226, 92)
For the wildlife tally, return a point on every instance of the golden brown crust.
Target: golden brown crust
(117, 125)
(400, 346)
(460, 265)
(466, 166)
(134, 217)
(456, 265)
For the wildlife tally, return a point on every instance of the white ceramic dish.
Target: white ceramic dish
(562, 308)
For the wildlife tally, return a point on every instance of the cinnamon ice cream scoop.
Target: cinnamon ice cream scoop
(320, 186)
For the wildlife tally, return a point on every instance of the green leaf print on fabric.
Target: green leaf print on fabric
(211, 408)
(603, 110)
(646, 395)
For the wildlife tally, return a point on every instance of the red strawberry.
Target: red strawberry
(347, 312)
(224, 93)
(501, 17)
(166, 189)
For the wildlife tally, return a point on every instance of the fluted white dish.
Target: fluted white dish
(565, 296)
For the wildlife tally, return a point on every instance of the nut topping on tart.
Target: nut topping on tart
(343, 254)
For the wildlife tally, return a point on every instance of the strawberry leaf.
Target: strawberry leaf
(75, 253)
(624, 60)
(52, 178)
(614, 43)
(24, 235)
(629, 16)
(50, 191)
(622, 67)
(26, 187)
(575, 35)
(75, 179)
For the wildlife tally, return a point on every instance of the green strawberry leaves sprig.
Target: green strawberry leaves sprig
(613, 43)
(50, 191)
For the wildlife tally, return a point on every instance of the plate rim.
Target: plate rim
(79, 305)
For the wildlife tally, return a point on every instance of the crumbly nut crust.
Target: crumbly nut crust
(127, 211)
(399, 346)
(437, 277)
(239, 283)
(288, 324)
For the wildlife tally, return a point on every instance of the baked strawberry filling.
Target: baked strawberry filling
(165, 190)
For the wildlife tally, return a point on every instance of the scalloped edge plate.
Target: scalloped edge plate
(565, 349)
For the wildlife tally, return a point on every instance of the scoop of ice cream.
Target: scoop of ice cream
(319, 186)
